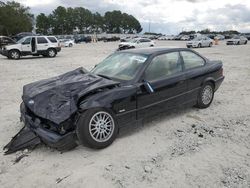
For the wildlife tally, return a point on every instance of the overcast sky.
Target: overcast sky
(165, 16)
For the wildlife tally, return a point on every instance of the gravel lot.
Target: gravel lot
(187, 148)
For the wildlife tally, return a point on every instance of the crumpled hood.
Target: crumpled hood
(56, 98)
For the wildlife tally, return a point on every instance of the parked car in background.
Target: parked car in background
(111, 39)
(167, 37)
(219, 37)
(237, 40)
(201, 41)
(125, 39)
(177, 37)
(90, 107)
(185, 37)
(247, 35)
(79, 39)
(136, 43)
(162, 38)
(19, 36)
(67, 42)
(48, 46)
(4, 41)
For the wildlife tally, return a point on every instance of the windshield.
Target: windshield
(121, 66)
(133, 40)
(196, 39)
(236, 37)
(21, 40)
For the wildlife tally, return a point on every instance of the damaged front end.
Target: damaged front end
(50, 107)
(36, 132)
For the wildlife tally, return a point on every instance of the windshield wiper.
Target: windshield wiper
(104, 76)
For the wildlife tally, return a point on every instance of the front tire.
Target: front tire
(199, 45)
(245, 42)
(206, 95)
(51, 52)
(14, 54)
(97, 128)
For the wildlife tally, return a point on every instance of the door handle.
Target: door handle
(46, 45)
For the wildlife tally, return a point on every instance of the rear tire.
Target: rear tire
(199, 45)
(245, 42)
(51, 52)
(206, 95)
(210, 44)
(70, 45)
(97, 128)
(14, 54)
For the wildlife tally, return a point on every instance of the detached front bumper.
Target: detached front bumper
(33, 134)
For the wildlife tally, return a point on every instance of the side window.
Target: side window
(27, 41)
(163, 66)
(192, 60)
(41, 40)
(144, 40)
(52, 39)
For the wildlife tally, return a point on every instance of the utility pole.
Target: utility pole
(149, 24)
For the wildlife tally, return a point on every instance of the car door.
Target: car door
(147, 43)
(42, 44)
(26, 45)
(165, 76)
(195, 73)
(207, 41)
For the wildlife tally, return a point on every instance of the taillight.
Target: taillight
(221, 71)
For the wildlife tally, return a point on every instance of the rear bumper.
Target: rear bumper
(218, 82)
(50, 138)
(58, 49)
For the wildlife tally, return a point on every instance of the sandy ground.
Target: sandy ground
(187, 148)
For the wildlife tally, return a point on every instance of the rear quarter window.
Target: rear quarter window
(41, 40)
(192, 60)
(52, 39)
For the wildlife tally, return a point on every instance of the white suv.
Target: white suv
(48, 46)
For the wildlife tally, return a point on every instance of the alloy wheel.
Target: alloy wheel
(101, 126)
(207, 95)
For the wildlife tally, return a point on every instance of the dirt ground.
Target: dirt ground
(186, 148)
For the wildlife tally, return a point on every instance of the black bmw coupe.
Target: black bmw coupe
(90, 107)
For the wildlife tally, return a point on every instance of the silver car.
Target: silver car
(237, 40)
(201, 41)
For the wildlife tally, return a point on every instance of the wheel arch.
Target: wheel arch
(209, 80)
(52, 48)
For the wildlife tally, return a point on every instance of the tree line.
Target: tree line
(16, 18)
(208, 31)
(81, 20)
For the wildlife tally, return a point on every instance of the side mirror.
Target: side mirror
(148, 87)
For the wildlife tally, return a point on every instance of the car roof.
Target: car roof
(152, 50)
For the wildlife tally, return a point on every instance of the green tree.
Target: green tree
(43, 24)
(15, 18)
